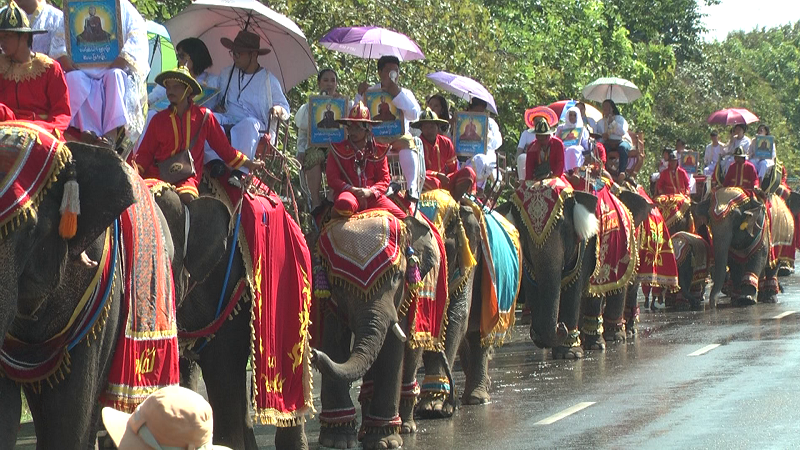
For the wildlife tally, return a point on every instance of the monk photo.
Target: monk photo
(385, 112)
(93, 29)
(328, 120)
(470, 132)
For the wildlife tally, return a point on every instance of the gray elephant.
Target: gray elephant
(741, 243)
(202, 252)
(560, 257)
(45, 278)
(367, 316)
(693, 255)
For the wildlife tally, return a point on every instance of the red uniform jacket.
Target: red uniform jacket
(342, 172)
(37, 93)
(168, 134)
(535, 156)
(742, 174)
(673, 182)
(440, 156)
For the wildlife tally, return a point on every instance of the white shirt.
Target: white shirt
(525, 139)
(404, 101)
(250, 95)
(744, 142)
(617, 128)
(494, 138)
(48, 17)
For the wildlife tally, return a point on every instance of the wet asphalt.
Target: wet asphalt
(716, 379)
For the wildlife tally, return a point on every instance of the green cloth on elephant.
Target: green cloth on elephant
(314, 157)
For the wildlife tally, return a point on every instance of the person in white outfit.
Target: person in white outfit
(412, 161)
(762, 164)
(485, 165)
(250, 96)
(714, 151)
(573, 153)
(738, 139)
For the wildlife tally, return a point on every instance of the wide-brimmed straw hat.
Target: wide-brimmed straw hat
(182, 75)
(12, 18)
(359, 113)
(245, 41)
(172, 417)
(428, 116)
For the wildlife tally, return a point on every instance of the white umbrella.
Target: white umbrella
(290, 60)
(619, 90)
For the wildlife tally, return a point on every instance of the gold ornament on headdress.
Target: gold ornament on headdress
(12, 16)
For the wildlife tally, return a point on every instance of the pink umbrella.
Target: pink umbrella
(732, 116)
(372, 43)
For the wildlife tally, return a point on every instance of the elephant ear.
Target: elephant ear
(589, 201)
(638, 206)
(423, 242)
(208, 236)
(104, 180)
(701, 209)
(793, 202)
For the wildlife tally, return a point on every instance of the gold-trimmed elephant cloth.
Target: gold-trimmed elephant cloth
(673, 207)
(541, 204)
(617, 252)
(657, 266)
(726, 199)
(782, 229)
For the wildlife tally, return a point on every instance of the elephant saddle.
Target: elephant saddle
(617, 255)
(782, 229)
(673, 207)
(686, 244)
(541, 204)
(657, 267)
(725, 200)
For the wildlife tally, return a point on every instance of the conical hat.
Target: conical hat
(12, 18)
(181, 74)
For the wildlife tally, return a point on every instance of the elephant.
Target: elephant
(203, 251)
(44, 280)
(692, 253)
(376, 356)
(561, 264)
(738, 221)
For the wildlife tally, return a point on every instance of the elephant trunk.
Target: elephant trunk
(369, 336)
(546, 331)
(722, 243)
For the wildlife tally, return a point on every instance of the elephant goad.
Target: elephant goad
(90, 323)
(366, 262)
(265, 304)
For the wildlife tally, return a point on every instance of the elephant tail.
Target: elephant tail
(586, 223)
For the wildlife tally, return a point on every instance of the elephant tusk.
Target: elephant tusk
(399, 332)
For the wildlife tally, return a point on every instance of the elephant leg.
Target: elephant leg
(476, 387)
(9, 413)
(631, 310)
(433, 402)
(338, 416)
(224, 364)
(752, 270)
(292, 437)
(685, 277)
(592, 327)
(190, 373)
(409, 389)
(381, 426)
(613, 320)
(768, 285)
(569, 314)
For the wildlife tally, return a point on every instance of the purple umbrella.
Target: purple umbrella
(372, 43)
(732, 116)
(465, 88)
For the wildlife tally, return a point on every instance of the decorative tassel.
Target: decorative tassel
(413, 275)
(322, 288)
(70, 204)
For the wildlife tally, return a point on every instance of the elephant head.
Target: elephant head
(370, 318)
(36, 259)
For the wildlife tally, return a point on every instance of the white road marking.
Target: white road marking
(784, 314)
(567, 412)
(703, 350)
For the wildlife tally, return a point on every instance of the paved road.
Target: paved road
(717, 379)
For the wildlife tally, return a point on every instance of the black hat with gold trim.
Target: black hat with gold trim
(428, 116)
(12, 18)
(739, 151)
(542, 128)
(182, 75)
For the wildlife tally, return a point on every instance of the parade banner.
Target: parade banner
(383, 110)
(570, 136)
(201, 99)
(689, 161)
(323, 113)
(763, 147)
(93, 31)
(471, 133)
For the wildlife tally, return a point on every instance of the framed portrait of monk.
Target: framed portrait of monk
(92, 31)
(762, 146)
(689, 161)
(323, 113)
(382, 109)
(471, 133)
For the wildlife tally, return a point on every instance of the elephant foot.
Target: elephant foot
(593, 342)
(407, 404)
(785, 271)
(647, 302)
(434, 405)
(382, 442)
(631, 330)
(338, 435)
(478, 396)
(615, 334)
(380, 433)
(768, 298)
(408, 427)
(291, 438)
(744, 300)
(696, 305)
(568, 352)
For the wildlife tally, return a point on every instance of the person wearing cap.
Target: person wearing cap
(44, 16)
(32, 85)
(251, 96)
(440, 157)
(404, 100)
(173, 130)
(742, 173)
(172, 417)
(673, 179)
(545, 155)
(108, 103)
(357, 169)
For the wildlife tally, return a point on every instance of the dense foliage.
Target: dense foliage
(532, 52)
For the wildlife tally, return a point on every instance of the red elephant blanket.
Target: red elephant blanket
(657, 266)
(617, 255)
(278, 268)
(541, 204)
(673, 207)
